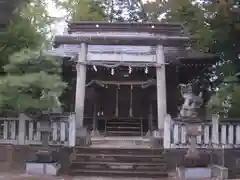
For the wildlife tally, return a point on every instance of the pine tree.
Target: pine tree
(32, 84)
(29, 81)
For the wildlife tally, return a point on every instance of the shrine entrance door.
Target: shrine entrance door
(124, 110)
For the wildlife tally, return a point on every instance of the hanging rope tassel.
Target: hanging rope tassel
(116, 112)
(131, 102)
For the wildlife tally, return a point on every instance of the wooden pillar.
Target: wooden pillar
(150, 120)
(161, 88)
(80, 85)
(95, 131)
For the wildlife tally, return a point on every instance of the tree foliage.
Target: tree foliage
(84, 10)
(214, 28)
(30, 82)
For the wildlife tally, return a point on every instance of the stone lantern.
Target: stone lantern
(44, 154)
(44, 162)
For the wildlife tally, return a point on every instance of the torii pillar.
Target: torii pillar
(161, 89)
(81, 132)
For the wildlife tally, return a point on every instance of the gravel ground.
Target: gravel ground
(17, 176)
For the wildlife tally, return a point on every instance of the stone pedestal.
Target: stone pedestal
(44, 152)
(42, 168)
(193, 132)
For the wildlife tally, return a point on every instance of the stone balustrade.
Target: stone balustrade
(215, 134)
(23, 130)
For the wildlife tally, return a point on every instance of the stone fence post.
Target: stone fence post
(72, 130)
(22, 128)
(167, 132)
(215, 130)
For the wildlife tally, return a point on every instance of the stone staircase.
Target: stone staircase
(120, 142)
(123, 162)
(124, 127)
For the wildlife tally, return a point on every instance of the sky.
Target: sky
(58, 28)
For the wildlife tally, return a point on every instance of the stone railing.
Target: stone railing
(23, 130)
(215, 134)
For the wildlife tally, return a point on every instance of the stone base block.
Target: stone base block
(219, 172)
(157, 142)
(42, 168)
(184, 173)
(213, 171)
(82, 137)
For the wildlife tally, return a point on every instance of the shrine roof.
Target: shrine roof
(128, 39)
(118, 33)
(147, 27)
(6, 11)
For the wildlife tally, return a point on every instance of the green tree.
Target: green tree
(29, 28)
(214, 28)
(84, 10)
(125, 11)
(30, 82)
(226, 34)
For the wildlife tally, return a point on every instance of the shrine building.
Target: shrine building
(124, 78)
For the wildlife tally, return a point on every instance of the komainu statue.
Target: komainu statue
(191, 102)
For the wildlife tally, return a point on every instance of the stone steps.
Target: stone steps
(121, 142)
(121, 173)
(118, 162)
(122, 132)
(123, 123)
(139, 164)
(123, 127)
